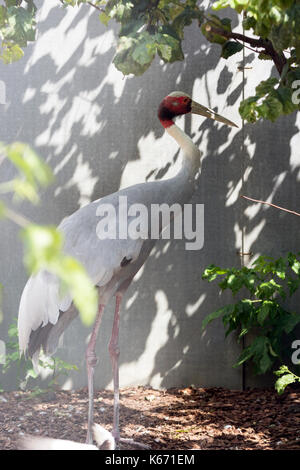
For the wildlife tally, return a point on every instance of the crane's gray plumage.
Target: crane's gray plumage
(44, 313)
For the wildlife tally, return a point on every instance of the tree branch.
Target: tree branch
(231, 35)
(279, 59)
(96, 6)
(272, 205)
(91, 4)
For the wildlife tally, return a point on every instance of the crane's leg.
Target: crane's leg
(91, 361)
(114, 352)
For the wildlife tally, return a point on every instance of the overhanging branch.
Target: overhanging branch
(265, 45)
(91, 4)
(272, 205)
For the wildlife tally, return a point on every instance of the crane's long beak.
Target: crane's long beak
(209, 113)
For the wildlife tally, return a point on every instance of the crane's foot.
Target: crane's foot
(132, 442)
(107, 440)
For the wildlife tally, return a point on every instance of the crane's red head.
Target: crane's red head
(175, 104)
(178, 103)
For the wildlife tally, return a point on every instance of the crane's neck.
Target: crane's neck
(185, 178)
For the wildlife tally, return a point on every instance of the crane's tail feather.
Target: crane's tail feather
(43, 315)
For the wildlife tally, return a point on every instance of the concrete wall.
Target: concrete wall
(99, 132)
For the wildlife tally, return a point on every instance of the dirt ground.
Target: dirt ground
(179, 418)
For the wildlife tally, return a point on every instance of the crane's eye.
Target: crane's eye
(185, 100)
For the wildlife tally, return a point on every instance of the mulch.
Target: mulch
(179, 418)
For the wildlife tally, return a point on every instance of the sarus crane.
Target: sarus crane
(111, 263)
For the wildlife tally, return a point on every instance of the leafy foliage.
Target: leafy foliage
(44, 251)
(156, 28)
(44, 244)
(17, 28)
(33, 172)
(25, 367)
(262, 313)
(285, 377)
(276, 25)
(272, 99)
(148, 28)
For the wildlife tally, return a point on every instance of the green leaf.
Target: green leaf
(228, 309)
(282, 370)
(243, 332)
(284, 95)
(3, 16)
(276, 14)
(121, 11)
(43, 245)
(272, 352)
(293, 285)
(2, 209)
(130, 28)
(271, 108)
(267, 289)
(43, 251)
(230, 48)
(168, 47)
(234, 282)
(10, 52)
(237, 5)
(248, 109)
(296, 267)
(212, 272)
(280, 268)
(12, 3)
(124, 60)
(286, 378)
(20, 27)
(25, 190)
(291, 321)
(259, 351)
(263, 56)
(29, 164)
(13, 330)
(245, 355)
(144, 51)
(185, 18)
(264, 310)
(219, 4)
(266, 86)
(104, 18)
(82, 290)
(265, 362)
